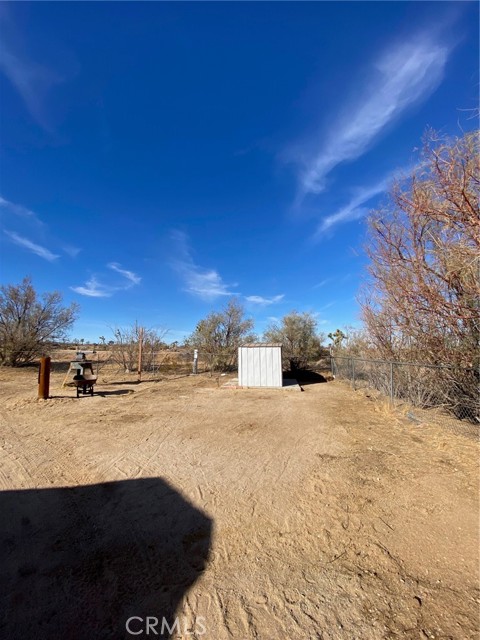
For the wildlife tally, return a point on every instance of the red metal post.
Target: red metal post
(44, 378)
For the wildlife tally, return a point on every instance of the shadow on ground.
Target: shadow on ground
(79, 562)
(119, 383)
(306, 376)
(119, 392)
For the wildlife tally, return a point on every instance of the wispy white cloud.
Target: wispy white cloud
(71, 250)
(20, 211)
(129, 275)
(354, 209)
(206, 284)
(264, 302)
(401, 77)
(37, 249)
(32, 81)
(30, 222)
(20, 65)
(93, 289)
(327, 306)
(322, 283)
(96, 289)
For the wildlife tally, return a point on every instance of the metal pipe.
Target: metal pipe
(44, 378)
(140, 345)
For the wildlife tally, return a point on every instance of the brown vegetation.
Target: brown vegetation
(421, 302)
(28, 322)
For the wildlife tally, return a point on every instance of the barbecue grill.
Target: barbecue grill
(84, 378)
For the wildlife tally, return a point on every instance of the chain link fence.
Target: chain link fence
(441, 394)
(158, 364)
(121, 361)
(155, 363)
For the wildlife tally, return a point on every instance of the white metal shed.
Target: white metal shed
(260, 365)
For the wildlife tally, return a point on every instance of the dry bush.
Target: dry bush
(219, 335)
(125, 349)
(421, 300)
(29, 324)
(297, 333)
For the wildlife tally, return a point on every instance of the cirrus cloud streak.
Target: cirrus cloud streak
(206, 284)
(401, 77)
(264, 302)
(35, 248)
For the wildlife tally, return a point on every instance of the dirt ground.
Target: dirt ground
(231, 513)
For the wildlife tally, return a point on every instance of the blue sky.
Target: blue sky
(158, 158)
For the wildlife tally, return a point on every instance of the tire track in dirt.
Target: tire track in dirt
(325, 517)
(52, 467)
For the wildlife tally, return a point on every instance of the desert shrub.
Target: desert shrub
(420, 302)
(30, 323)
(297, 333)
(124, 348)
(218, 336)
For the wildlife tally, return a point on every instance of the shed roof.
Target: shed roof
(262, 344)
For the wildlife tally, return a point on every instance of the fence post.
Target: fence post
(44, 378)
(391, 383)
(140, 345)
(353, 373)
(195, 361)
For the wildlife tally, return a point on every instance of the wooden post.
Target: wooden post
(140, 345)
(44, 378)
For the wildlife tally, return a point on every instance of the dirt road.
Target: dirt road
(229, 513)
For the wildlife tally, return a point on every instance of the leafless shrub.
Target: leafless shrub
(29, 323)
(421, 301)
(125, 347)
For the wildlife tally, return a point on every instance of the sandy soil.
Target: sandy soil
(263, 514)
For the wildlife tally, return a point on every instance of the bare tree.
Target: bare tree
(124, 349)
(218, 336)
(29, 323)
(422, 298)
(421, 301)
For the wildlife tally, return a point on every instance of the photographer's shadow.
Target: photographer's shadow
(77, 563)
